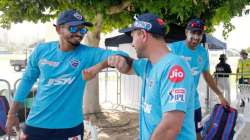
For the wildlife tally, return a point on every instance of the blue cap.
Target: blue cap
(73, 18)
(148, 22)
(195, 25)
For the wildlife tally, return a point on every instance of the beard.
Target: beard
(139, 53)
(75, 40)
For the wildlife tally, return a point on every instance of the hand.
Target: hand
(223, 101)
(118, 62)
(12, 121)
(89, 73)
(23, 136)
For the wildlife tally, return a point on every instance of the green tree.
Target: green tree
(112, 14)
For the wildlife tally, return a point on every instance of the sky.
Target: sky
(30, 32)
(239, 37)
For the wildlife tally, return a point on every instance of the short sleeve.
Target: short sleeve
(175, 89)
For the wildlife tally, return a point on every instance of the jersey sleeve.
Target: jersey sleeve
(29, 77)
(139, 66)
(206, 63)
(175, 88)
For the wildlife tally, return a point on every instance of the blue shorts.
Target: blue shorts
(197, 120)
(34, 133)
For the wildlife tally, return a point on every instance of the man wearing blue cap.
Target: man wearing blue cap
(56, 113)
(197, 57)
(167, 105)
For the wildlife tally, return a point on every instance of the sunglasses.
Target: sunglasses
(197, 25)
(75, 29)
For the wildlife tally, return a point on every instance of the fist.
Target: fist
(118, 62)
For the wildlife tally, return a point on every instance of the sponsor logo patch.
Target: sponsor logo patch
(186, 58)
(177, 95)
(147, 107)
(47, 62)
(150, 83)
(62, 80)
(176, 74)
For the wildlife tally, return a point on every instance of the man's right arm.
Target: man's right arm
(122, 63)
(28, 79)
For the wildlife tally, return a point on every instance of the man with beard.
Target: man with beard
(167, 105)
(56, 113)
(197, 57)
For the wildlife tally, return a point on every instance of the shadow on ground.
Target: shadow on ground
(114, 125)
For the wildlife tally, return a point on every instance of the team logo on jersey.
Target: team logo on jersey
(176, 74)
(78, 16)
(177, 95)
(74, 63)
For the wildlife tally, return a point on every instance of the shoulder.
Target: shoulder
(47, 45)
(84, 47)
(177, 44)
(176, 68)
(42, 48)
(175, 60)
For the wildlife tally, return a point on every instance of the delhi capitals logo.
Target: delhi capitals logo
(78, 16)
(74, 63)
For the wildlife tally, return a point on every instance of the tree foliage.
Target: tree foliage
(119, 13)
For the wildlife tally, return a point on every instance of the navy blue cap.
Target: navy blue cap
(195, 25)
(148, 22)
(73, 18)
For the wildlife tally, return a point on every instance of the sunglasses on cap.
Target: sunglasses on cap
(75, 29)
(197, 25)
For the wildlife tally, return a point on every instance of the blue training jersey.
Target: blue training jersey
(167, 86)
(197, 59)
(59, 98)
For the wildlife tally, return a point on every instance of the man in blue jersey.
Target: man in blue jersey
(167, 105)
(56, 113)
(197, 57)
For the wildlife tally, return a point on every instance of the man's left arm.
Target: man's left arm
(170, 126)
(211, 83)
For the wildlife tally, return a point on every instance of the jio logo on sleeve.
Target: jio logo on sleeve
(176, 74)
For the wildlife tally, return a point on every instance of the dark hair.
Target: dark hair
(157, 36)
(222, 57)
